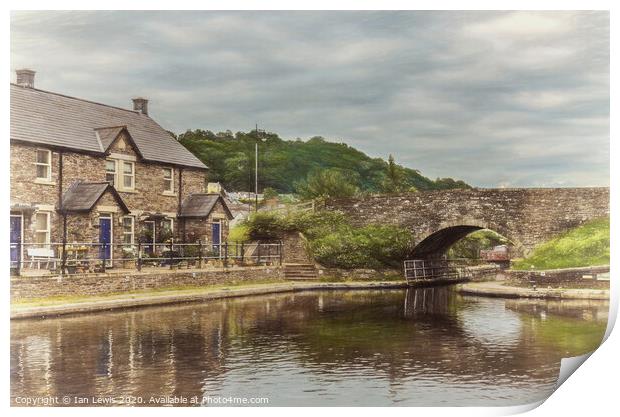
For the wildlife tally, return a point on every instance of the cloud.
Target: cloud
(518, 98)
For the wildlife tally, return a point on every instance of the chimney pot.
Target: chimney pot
(141, 105)
(25, 78)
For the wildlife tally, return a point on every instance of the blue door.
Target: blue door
(16, 239)
(216, 236)
(105, 237)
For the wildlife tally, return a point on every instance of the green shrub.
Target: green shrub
(239, 233)
(333, 241)
(373, 246)
(265, 226)
(315, 224)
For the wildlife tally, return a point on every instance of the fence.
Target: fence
(308, 206)
(427, 269)
(71, 258)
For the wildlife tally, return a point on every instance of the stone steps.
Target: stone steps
(300, 272)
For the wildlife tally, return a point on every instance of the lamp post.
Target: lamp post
(259, 136)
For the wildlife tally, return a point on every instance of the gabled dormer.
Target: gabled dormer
(122, 154)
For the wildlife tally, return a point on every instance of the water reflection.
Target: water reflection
(428, 346)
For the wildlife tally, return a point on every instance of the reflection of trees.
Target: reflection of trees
(185, 350)
(571, 327)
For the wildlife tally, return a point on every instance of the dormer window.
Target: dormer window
(168, 180)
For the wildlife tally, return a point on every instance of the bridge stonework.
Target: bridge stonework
(438, 219)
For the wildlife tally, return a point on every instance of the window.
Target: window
(44, 164)
(42, 229)
(128, 175)
(168, 180)
(167, 225)
(128, 230)
(110, 171)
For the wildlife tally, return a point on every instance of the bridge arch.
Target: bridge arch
(436, 242)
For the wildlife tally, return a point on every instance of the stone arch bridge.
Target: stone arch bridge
(438, 219)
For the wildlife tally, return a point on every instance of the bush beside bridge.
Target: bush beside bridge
(333, 241)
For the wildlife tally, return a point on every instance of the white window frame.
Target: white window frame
(169, 190)
(115, 173)
(133, 230)
(122, 174)
(37, 164)
(47, 230)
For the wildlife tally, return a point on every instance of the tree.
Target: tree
(470, 246)
(283, 163)
(269, 193)
(238, 171)
(394, 178)
(326, 183)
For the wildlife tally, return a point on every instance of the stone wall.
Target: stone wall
(559, 278)
(526, 216)
(359, 274)
(193, 181)
(98, 284)
(294, 249)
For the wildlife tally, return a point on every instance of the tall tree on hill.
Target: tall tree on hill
(394, 181)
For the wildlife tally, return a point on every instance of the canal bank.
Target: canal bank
(42, 308)
(499, 289)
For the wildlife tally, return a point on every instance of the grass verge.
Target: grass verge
(586, 245)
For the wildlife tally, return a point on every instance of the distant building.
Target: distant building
(500, 254)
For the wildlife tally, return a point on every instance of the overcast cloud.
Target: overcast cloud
(493, 98)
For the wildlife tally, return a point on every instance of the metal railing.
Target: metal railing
(427, 269)
(83, 257)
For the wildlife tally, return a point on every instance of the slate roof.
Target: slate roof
(52, 119)
(106, 135)
(82, 196)
(201, 205)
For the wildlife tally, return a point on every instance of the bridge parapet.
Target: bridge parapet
(437, 219)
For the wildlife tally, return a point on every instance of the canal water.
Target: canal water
(416, 347)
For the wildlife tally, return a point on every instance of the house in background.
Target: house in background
(92, 173)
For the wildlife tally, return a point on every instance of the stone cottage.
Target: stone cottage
(85, 172)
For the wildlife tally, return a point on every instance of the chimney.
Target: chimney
(141, 105)
(25, 78)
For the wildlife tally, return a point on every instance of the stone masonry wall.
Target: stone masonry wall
(37, 287)
(294, 249)
(526, 216)
(557, 278)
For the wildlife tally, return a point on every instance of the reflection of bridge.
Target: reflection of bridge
(438, 219)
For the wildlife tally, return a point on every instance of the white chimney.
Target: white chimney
(25, 78)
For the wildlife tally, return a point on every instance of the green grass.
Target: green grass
(21, 303)
(171, 290)
(586, 245)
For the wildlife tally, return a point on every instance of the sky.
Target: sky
(497, 99)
